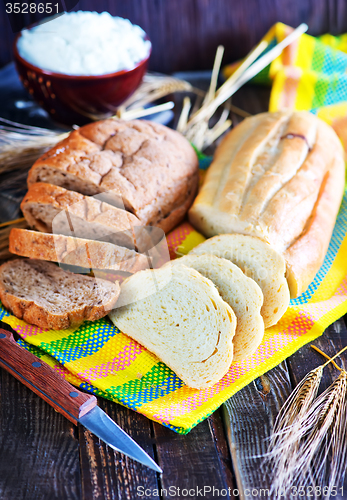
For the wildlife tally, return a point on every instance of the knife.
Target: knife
(76, 406)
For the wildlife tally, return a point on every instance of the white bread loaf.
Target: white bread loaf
(280, 177)
(258, 261)
(242, 294)
(46, 296)
(183, 320)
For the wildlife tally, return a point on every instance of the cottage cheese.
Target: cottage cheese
(84, 43)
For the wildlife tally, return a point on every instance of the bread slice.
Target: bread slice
(49, 208)
(53, 209)
(258, 261)
(242, 294)
(45, 295)
(183, 320)
(75, 251)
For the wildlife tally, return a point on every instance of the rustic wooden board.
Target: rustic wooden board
(196, 460)
(185, 34)
(249, 416)
(217, 429)
(39, 458)
(110, 475)
(306, 359)
(44, 457)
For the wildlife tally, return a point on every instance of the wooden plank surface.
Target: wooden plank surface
(249, 416)
(107, 474)
(199, 459)
(185, 34)
(44, 457)
(306, 359)
(39, 455)
(196, 462)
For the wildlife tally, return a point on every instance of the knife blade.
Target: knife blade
(75, 405)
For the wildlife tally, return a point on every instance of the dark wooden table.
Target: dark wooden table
(186, 33)
(44, 457)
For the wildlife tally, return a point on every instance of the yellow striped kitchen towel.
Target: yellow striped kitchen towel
(99, 359)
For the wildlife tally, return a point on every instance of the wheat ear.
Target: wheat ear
(325, 436)
(287, 431)
(306, 431)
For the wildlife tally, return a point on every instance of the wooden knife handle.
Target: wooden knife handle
(43, 380)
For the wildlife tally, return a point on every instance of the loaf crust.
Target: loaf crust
(266, 180)
(68, 299)
(75, 251)
(305, 256)
(146, 168)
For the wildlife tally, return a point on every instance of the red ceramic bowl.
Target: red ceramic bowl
(71, 99)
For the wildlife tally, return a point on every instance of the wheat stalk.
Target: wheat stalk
(284, 443)
(210, 105)
(324, 426)
(306, 431)
(196, 128)
(12, 222)
(155, 87)
(21, 145)
(134, 114)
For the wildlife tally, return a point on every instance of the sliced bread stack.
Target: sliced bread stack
(89, 254)
(105, 183)
(165, 311)
(53, 209)
(81, 231)
(148, 169)
(182, 319)
(197, 314)
(100, 200)
(242, 294)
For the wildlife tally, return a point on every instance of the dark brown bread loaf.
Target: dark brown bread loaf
(146, 168)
